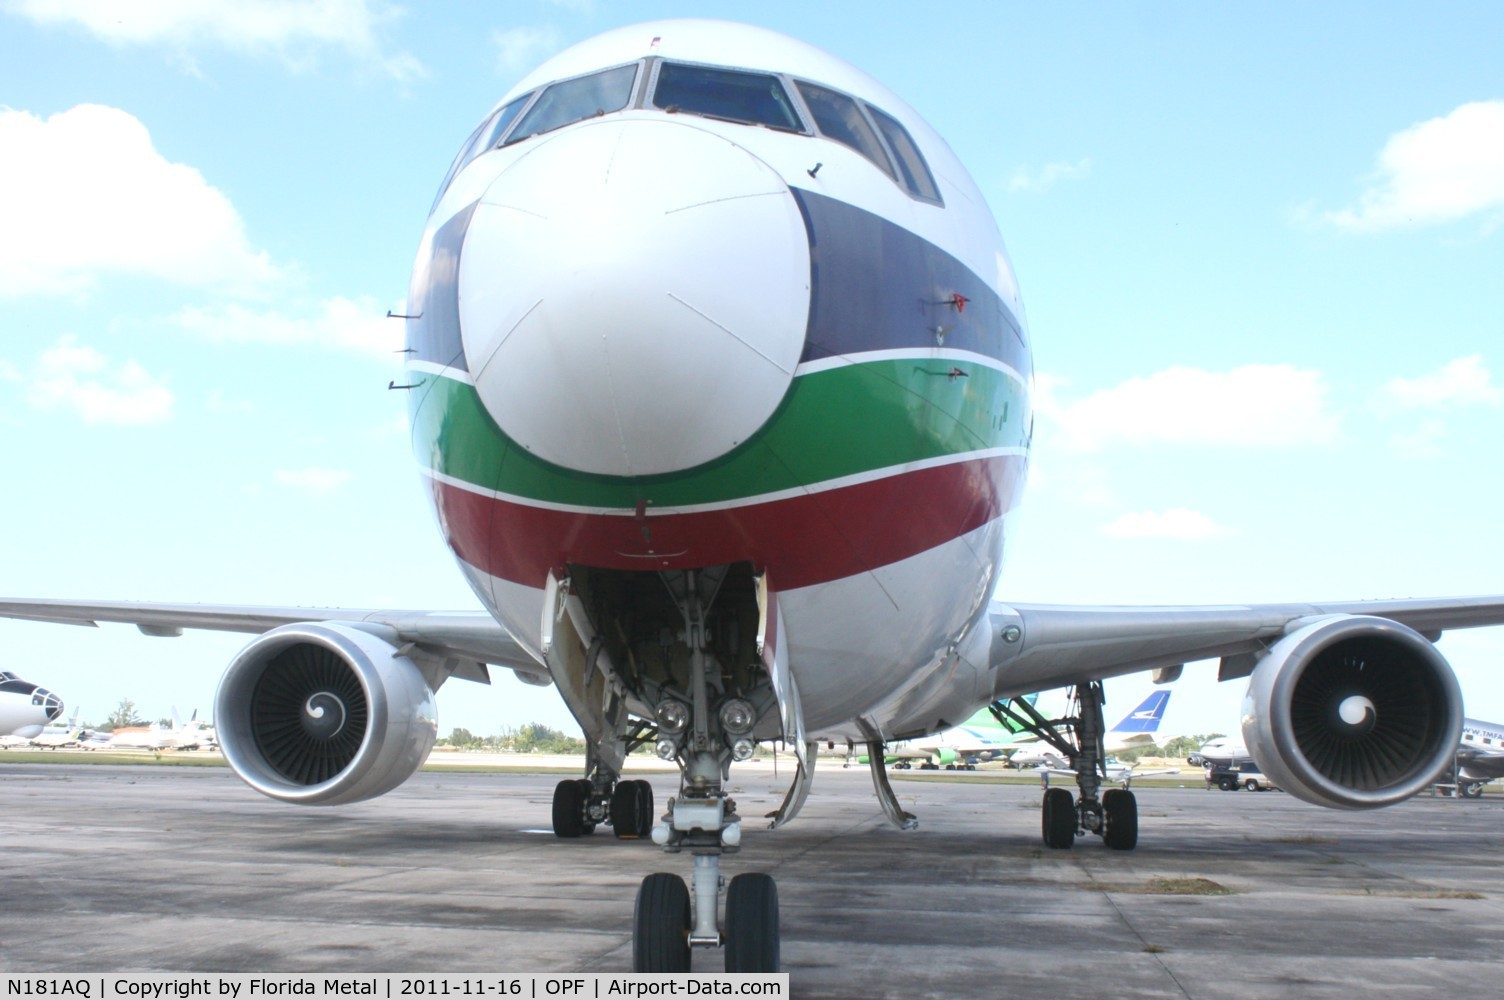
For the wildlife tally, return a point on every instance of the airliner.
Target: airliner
(1480, 757)
(721, 387)
(981, 738)
(25, 708)
(1136, 730)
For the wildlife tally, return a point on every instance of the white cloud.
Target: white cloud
(1045, 177)
(314, 481)
(290, 31)
(1253, 406)
(1459, 382)
(1439, 170)
(84, 193)
(357, 325)
(1177, 523)
(520, 49)
(71, 376)
(1422, 441)
(218, 402)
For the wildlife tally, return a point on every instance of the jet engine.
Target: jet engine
(324, 713)
(1353, 712)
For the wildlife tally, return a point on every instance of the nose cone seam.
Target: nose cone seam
(654, 275)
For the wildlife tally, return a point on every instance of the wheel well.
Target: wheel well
(636, 616)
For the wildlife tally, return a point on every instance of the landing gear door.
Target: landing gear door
(773, 650)
(581, 669)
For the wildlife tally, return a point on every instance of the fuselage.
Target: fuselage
(696, 294)
(1481, 754)
(25, 708)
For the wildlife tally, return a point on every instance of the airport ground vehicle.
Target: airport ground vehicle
(1238, 774)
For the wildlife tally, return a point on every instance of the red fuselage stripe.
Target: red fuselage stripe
(800, 541)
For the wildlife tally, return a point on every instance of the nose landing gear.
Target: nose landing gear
(670, 918)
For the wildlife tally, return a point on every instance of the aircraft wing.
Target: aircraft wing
(459, 635)
(1037, 646)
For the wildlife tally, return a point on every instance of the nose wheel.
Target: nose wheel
(663, 924)
(752, 924)
(660, 925)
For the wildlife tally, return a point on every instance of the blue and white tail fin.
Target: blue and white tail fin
(1145, 718)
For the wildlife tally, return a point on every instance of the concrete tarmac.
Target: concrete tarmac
(136, 868)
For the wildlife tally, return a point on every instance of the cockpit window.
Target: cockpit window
(728, 95)
(497, 126)
(460, 159)
(570, 101)
(841, 119)
(482, 139)
(916, 173)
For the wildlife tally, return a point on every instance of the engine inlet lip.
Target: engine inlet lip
(1281, 755)
(233, 703)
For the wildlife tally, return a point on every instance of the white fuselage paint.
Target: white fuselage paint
(904, 646)
(25, 709)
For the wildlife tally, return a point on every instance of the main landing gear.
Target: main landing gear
(1113, 816)
(582, 804)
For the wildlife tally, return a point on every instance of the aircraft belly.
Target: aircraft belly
(880, 646)
(875, 645)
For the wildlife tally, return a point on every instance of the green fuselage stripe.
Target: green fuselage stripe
(838, 422)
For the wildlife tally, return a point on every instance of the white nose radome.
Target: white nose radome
(634, 296)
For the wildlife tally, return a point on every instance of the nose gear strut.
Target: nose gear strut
(669, 918)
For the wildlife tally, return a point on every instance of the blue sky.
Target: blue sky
(1259, 246)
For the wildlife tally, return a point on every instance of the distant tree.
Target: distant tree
(123, 716)
(535, 737)
(462, 737)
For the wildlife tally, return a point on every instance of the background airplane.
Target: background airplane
(1220, 750)
(888, 650)
(1480, 757)
(55, 737)
(25, 708)
(179, 736)
(979, 739)
(1135, 730)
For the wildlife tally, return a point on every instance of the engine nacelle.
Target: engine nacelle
(1353, 712)
(324, 713)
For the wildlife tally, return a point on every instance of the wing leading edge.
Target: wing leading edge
(464, 640)
(1038, 646)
